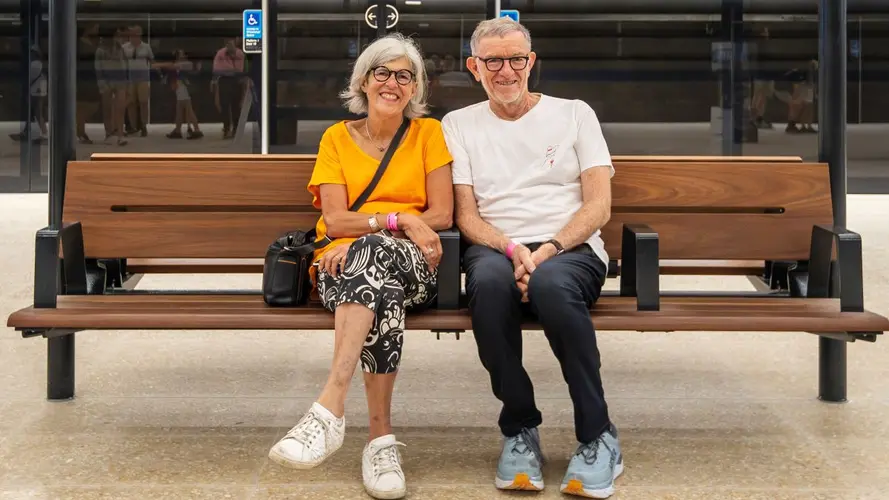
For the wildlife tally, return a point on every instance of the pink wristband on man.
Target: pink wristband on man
(509, 249)
(392, 221)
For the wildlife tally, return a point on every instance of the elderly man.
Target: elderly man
(532, 180)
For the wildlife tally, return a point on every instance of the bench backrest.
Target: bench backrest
(224, 208)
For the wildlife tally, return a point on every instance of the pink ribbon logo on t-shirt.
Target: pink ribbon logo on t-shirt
(551, 155)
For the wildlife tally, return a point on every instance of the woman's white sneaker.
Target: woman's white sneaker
(315, 438)
(381, 468)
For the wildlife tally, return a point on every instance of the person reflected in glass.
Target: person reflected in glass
(227, 85)
(801, 109)
(383, 260)
(140, 57)
(113, 73)
(88, 96)
(38, 87)
(176, 74)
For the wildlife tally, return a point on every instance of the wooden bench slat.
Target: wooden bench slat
(709, 159)
(611, 313)
(206, 235)
(721, 186)
(254, 266)
(311, 157)
(92, 187)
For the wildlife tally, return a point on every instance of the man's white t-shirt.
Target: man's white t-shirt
(526, 173)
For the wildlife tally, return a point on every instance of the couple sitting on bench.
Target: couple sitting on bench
(527, 179)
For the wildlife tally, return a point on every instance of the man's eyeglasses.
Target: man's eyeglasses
(496, 63)
(402, 76)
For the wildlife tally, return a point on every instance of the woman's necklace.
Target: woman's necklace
(372, 138)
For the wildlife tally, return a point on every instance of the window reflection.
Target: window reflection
(654, 80)
(163, 83)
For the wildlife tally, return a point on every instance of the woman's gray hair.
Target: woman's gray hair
(385, 50)
(497, 27)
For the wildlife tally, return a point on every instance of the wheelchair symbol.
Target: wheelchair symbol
(251, 21)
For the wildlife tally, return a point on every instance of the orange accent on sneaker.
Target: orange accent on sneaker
(574, 487)
(523, 482)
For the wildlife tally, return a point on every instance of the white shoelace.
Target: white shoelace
(309, 429)
(385, 459)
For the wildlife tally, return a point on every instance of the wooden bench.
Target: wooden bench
(227, 211)
(759, 272)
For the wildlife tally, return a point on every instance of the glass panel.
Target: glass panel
(443, 34)
(649, 78)
(868, 150)
(23, 100)
(153, 82)
(315, 56)
(782, 87)
(316, 52)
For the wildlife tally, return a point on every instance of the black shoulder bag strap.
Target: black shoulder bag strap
(376, 178)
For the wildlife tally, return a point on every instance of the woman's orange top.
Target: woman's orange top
(401, 189)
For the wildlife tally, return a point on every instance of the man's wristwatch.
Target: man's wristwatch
(554, 242)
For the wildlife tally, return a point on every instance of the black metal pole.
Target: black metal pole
(62, 84)
(60, 368)
(732, 78)
(832, 75)
(271, 45)
(832, 149)
(254, 66)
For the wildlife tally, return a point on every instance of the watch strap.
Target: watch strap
(554, 242)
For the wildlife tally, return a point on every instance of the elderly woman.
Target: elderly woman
(382, 261)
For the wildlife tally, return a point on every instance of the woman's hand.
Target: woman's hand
(334, 260)
(423, 236)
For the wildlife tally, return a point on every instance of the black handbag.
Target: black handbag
(285, 274)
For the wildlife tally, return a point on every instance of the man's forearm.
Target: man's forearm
(589, 219)
(479, 232)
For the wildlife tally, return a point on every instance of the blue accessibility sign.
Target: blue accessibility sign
(510, 13)
(252, 31)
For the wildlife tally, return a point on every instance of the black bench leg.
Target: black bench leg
(60, 368)
(831, 370)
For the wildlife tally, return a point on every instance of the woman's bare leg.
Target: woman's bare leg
(352, 323)
(379, 388)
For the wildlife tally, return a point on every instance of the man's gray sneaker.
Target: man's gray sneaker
(521, 462)
(594, 467)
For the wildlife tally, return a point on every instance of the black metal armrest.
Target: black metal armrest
(74, 267)
(640, 266)
(47, 282)
(52, 276)
(449, 270)
(849, 272)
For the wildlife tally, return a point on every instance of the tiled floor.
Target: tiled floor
(191, 415)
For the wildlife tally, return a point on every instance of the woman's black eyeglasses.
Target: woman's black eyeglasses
(496, 63)
(402, 76)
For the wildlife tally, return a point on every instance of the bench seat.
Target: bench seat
(249, 312)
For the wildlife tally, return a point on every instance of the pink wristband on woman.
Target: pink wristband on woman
(509, 249)
(392, 221)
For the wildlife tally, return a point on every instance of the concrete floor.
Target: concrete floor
(191, 415)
